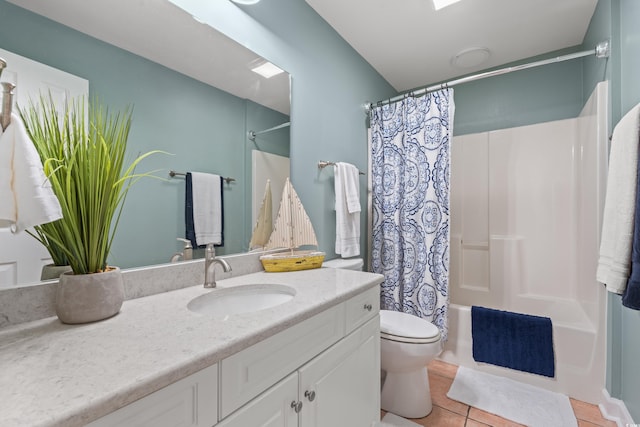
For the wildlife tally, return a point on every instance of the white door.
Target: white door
(267, 166)
(21, 256)
(273, 408)
(341, 387)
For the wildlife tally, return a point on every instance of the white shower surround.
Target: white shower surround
(526, 207)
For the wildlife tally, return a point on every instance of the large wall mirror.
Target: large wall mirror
(194, 95)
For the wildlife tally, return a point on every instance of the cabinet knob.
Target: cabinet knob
(310, 395)
(368, 307)
(296, 406)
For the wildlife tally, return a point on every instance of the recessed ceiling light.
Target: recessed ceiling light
(471, 57)
(267, 70)
(245, 1)
(439, 4)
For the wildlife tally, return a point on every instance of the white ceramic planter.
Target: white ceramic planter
(51, 271)
(84, 298)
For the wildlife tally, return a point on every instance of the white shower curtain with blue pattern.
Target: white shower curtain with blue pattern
(410, 158)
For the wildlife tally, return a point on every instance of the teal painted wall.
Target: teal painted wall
(202, 126)
(331, 84)
(623, 380)
(596, 70)
(536, 95)
(617, 20)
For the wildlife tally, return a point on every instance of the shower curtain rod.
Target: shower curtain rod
(601, 51)
(252, 134)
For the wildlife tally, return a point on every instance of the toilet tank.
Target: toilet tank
(345, 263)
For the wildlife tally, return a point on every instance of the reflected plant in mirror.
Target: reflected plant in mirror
(195, 95)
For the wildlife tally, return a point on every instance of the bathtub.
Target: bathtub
(579, 351)
(526, 208)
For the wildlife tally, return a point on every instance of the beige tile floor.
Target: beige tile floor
(450, 413)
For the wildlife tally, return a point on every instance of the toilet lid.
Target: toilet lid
(398, 326)
(345, 263)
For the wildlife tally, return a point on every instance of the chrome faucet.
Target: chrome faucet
(210, 262)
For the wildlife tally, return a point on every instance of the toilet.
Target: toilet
(407, 344)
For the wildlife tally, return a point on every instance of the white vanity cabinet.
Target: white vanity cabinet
(341, 387)
(190, 402)
(321, 372)
(276, 407)
(338, 387)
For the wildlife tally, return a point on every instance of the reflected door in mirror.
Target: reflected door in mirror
(22, 256)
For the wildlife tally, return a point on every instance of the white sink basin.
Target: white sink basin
(241, 299)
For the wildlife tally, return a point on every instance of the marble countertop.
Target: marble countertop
(68, 375)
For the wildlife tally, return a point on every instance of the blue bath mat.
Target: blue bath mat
(513, 340)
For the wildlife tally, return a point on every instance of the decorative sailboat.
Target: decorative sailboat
(264, 223)
(292, 230)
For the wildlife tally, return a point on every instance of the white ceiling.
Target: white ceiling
(163, 33)
(411, 45)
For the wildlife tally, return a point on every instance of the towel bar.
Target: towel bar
(173, 174)
(323, 164)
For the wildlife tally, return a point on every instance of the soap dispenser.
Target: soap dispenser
(187, 250)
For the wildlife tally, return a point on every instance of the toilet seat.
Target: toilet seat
(406, 328)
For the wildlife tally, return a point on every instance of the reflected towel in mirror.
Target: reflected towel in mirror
(204, 209)
(26, 197)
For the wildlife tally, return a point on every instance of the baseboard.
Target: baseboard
(615, 410)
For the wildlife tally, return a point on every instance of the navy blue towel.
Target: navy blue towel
(631, 296)
(190, 232)
(513, 340)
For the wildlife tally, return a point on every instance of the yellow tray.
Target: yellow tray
(277, 263)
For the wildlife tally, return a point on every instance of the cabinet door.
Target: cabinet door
(190, 402)
(341, 387)
(253, 370)
(273, 408)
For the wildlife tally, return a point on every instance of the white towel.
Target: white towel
(619, 209)
(347, 210)
(207, 207)
(26, 197)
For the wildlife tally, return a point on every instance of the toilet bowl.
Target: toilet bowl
(407, 344)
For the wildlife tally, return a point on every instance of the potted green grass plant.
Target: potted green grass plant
(84, 160)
